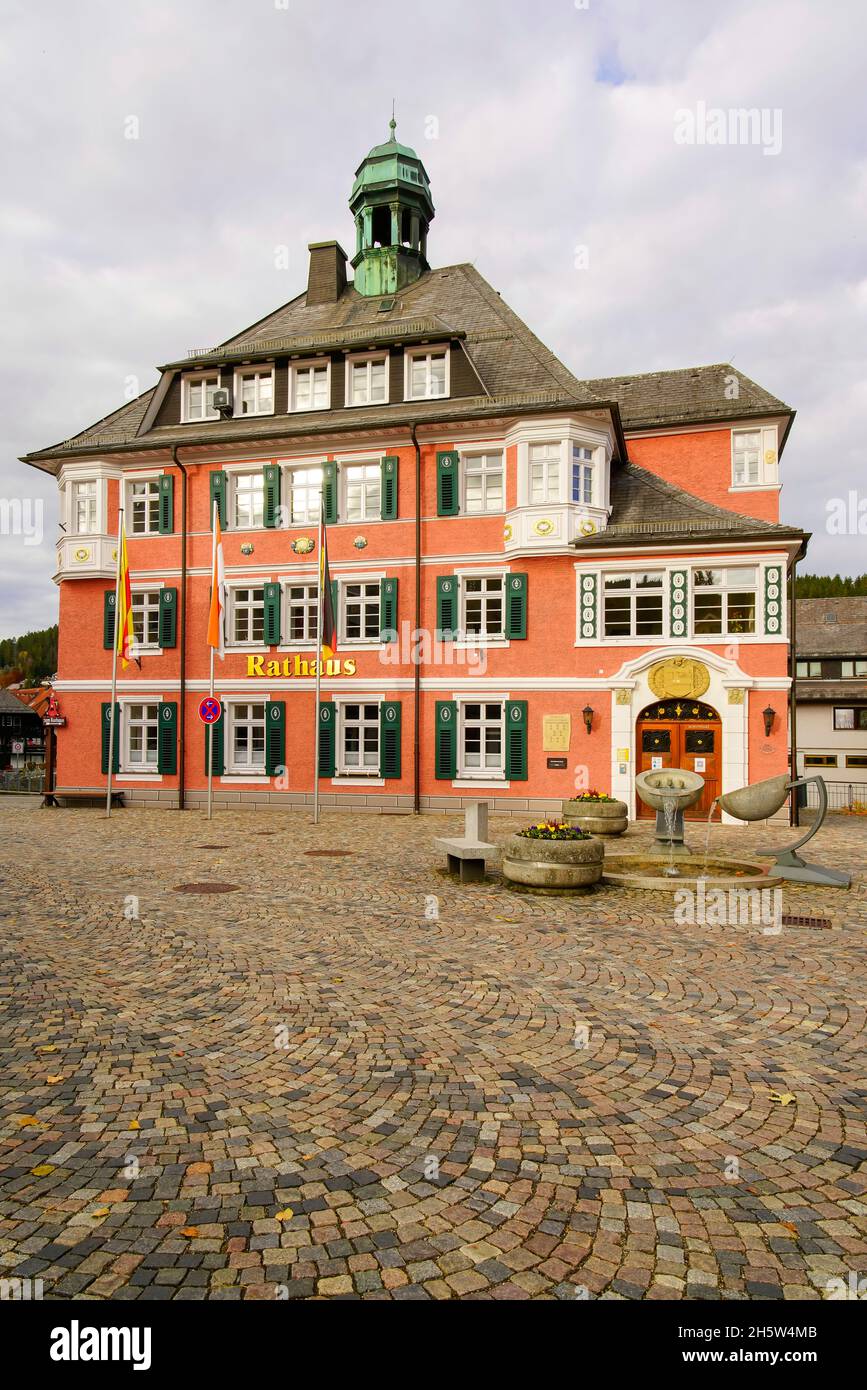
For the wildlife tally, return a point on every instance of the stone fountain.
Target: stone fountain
(763, 800)
(670, 791)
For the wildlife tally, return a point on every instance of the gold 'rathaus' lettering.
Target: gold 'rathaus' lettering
(299, 666)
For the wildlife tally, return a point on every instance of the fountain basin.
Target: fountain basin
(675, 786)
(760, 801)
(648, 871)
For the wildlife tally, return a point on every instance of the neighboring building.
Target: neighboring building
(831, 691)
(22, 735)
(597, 568)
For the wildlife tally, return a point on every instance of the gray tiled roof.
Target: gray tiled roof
(840, 692)
(691, 393)
(845, 637)
(643, 506)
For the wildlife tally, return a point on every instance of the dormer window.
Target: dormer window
(427, 373)
(198, 397)
(582, 475)
(254, 392)
(310, 385)
(367, 379)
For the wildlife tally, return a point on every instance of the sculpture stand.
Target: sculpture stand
(673, 839)
(789, 864)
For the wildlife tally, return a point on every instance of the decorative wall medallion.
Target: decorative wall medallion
(507, 532)
(773, 600)
(677, 604)
(543, 526)
(679, 678)
(247, 548)
(736, 695)
(587, 527)
(114, 555)
(360, 542)
(302, 545)
(623, 696)
(770, 456)
(82, 554)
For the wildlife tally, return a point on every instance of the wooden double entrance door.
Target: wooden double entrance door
(682, 733)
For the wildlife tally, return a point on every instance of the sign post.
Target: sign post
(210, 710)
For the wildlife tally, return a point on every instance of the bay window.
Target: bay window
(545, 472)
(633, 604)
(84, 508)
(582, 475)
(724, 601)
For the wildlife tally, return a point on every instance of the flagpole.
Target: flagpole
(320, 590)
(211, 686)
(111, 722)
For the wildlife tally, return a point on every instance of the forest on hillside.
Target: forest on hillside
(830, 586)
(29, 659)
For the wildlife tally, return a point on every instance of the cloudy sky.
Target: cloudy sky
(545, 127)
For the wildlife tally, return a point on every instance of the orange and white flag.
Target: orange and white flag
(218, 591)
(125, 631)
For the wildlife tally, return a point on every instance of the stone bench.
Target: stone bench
(466, 856)
(83, 798)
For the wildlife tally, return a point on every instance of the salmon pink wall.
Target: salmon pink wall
(701, 463)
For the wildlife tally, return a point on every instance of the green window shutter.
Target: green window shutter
(214, 733)
(329, 493)
(327, 738)
(516, 740)
(388, 610)
(168, 617)
(167, 504)
(448, 479)
(588, 620)
(271, 489)
(167, 738)
(275, 737)
(388, 509)
(272, 615)
(106, 735)
(108, 605)
(447, 607)
(389, 738)
(773, 601)
(447, 740)
(516, 605)
(218, 495)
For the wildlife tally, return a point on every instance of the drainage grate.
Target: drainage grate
(794, 920)
(327, 853)
(207, 888)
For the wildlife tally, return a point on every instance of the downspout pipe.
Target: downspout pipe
(182, 698)
(416, 646)
(794, 816)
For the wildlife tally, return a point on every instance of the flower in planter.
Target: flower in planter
(593, 796)
(554, 830)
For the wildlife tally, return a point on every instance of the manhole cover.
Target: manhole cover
(327, 853)
(794, 920)
(207, 888)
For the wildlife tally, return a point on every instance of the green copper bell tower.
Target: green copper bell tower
(392, 207)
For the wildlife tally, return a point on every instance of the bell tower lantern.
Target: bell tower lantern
(392, 207)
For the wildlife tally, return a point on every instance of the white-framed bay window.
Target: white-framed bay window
(481, 739)
(358, 726)
(197, 397)
(582, 475)
(303, 489)
(143, 506)
(724, 601)
(362, 491)
(633, 604)
(254, 391)
(483, 482)
(247, 492)
(85, 506)
(310, 385)
(426, 373)
(146, 618)
(545, 463)
(367, 379)
(139, 743)
(246, 625)
(245, 744)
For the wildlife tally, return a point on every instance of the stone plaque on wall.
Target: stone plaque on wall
(556, 733)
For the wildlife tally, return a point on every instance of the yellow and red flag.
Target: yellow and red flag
(125, 631)
(329, 618)
(218, 591)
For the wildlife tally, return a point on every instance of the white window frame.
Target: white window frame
(232, 707)
(249, 606)
(482, 773)
(582, 464)
(633, 593)
(365, 601)
(242, 374)
(470, 459)
(362, 359)
(151, 603)
(310, 605)
(290, 471)
(342, 767)
(313, 364)
(77, 483)
(429, 350)
(233, 479)
(550, 498)
(374, 481)
(127, 766)
(152, 481)
(747, 481)
(725, 589)
(484, 637)
(193, 378)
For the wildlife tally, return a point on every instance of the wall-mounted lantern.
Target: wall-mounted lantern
(587, 712)
(769, 714)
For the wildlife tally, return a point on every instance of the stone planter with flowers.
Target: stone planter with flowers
(596, 812)
(552, 854)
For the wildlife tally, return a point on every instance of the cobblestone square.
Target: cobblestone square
(352, 1077)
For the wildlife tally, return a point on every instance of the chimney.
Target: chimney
(327, 278)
